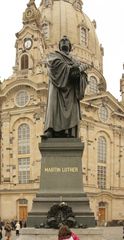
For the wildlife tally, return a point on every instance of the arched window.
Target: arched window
(23, 139)
(45, 30)
(102, 149)
(92, 87)
(24, 62)
(83, 36)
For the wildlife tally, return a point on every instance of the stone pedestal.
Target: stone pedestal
(52, 234)
(61, 181)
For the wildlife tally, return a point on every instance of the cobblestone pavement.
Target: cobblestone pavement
(112, 233)
(109, 233)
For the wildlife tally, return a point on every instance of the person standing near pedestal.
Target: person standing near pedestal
(17, 228)
(1, 231)
(67, 84)
(66, 234)
(8, 230)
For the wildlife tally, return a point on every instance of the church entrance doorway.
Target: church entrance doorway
(102, 213)
(23, 212)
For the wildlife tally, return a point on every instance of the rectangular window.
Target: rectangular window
(101, 177)
(23, 139)
(23, 146)
(24, 170)
(102, 149)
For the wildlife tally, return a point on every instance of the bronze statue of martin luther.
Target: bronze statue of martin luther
(67, 84)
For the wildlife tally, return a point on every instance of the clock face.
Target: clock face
(28, 43)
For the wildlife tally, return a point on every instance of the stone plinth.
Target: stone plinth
(51, 234)
(61, 181)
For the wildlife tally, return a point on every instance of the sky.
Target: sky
(109, 16)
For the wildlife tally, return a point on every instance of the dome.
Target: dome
(67, 18)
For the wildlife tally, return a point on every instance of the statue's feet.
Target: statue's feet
(48, 134)
(70, 136)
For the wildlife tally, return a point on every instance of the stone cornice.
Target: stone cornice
(13, 191)
(89, 105)
(119, 114)
(22, 82)
(105, 193)
(25, 29)
(105, 95)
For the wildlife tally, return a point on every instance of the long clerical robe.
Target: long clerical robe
(64, 94)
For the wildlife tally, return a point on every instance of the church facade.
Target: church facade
(23, 99)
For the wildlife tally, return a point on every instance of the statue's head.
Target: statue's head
(65, 44)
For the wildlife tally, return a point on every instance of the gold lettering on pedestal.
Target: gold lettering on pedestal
(62, 170)
(70, 169)
(53, 169)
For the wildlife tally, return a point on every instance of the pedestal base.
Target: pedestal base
(61, 181)
(52, 234)
(78, 202)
